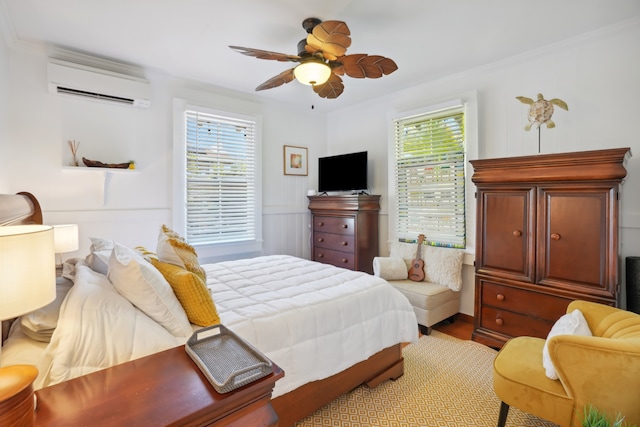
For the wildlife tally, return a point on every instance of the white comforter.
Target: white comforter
(312, 319)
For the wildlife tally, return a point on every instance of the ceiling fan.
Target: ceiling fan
(322, 59)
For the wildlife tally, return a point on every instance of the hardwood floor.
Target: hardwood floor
(461, 328)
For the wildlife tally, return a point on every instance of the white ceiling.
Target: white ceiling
(428, 39)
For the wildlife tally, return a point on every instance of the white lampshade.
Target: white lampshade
(312, 73)
(65, 237)
(27, 269)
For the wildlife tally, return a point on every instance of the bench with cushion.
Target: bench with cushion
(437, 297)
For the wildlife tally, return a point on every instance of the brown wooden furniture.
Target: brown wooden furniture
(297, 404)
(162, 389)
(344, 230)
(547, 234)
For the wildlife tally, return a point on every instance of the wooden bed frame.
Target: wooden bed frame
(23, 208)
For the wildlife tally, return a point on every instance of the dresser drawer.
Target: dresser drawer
(535, 304)
(338, 242)
(339, 259)
(513, 324)
(338, 225)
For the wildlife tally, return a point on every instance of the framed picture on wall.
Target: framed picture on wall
(295, 160)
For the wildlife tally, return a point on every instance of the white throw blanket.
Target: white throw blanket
(313, 320)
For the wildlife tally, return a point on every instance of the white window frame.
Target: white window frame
(468, 101)
(209, 252)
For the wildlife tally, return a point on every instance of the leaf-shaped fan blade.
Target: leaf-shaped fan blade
(361, 65)
(279, 80)
(330, 37)
(331, 89)
(265, 54)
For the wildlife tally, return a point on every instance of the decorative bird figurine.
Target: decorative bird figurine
(541, 110)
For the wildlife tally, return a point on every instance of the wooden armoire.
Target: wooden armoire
(547, 234)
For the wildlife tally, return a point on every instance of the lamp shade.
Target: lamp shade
(65, 237)
(312, 73)
(27, 269)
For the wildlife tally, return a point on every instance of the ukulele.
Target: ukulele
(416, 272)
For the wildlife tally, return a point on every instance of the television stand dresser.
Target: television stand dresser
(344, 230)
(547, 234)
(163, 389)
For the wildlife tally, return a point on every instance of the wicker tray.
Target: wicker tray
(225, 359)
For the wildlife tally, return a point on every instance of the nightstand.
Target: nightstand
(165, 388)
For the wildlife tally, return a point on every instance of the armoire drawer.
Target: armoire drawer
(339, 259)
(534, 304)
(513, 324)
(336, 224)
(338, 242)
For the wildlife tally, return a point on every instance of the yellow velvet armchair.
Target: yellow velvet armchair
(602, 370)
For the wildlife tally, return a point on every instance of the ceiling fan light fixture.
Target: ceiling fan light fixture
(312, 73)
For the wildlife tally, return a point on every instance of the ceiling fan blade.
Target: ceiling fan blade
(330, 37)
(265, 54)
(331, 89)
(361, 65)
(279, 80)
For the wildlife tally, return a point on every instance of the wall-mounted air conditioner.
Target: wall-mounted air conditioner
(91, 83)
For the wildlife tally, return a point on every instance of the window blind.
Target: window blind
(429, 178)
(220, 178)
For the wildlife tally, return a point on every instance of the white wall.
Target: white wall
(131, 206)
(4, 110)
(597, 75)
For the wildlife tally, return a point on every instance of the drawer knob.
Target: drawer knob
(345, 243)
(320, 255)
(500, 297)
(320, 239)
(345, 260)
(499, 321)
(555, 236)
(321, 223)
(344, 226)
(517, 233)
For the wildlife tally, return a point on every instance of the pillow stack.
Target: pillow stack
(441, 265)
(168, 286)
(178, 263)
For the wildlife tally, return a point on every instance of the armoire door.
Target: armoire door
(576, 237)
(506, 219)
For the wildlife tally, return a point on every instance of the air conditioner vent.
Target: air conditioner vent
(94, 95)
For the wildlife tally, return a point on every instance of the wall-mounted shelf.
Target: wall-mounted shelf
(106, 175)
(109, 170)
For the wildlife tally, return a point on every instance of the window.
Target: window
(429, 177)
(220, 162)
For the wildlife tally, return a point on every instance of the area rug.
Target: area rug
(447, 382)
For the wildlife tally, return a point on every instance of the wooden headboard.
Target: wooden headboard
(18, 209)
(21, 208)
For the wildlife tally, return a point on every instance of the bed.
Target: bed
(328, 328)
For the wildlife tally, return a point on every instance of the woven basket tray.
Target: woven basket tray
(225, 359)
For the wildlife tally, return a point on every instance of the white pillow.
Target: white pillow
(390, 268)
(146, 288)
(572, 323)
(98, 258)
(443, 266)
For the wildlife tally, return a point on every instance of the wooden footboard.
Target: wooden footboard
(303, 401)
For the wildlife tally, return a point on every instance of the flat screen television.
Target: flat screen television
(345, 172)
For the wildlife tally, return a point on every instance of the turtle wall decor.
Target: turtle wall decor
(540, 112)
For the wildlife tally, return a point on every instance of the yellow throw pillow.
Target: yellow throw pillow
(191, 292)
(174, 249)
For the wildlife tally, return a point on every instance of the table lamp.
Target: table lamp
(27, 282)
(65, 238)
